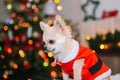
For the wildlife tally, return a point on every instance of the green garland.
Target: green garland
(110, 42)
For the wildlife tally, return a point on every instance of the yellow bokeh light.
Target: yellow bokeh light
(9, 6)
(21, 53)
(102, 46)
(59, 8)
(5, 28)
(88, 38)
(50, 54)
(57, 1)
(93, 51)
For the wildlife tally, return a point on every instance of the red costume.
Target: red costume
(93, 69)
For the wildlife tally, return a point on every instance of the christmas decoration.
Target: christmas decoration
(21, 45)
(109, 43)
(93, 4)
(50, 8)
(108, 14)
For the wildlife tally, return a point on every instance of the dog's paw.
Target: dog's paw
(79, 63)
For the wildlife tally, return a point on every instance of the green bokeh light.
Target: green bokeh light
(1, 48)
(45, 64)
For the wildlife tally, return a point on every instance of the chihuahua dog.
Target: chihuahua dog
(77, 62)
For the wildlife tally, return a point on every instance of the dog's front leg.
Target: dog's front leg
(77, 69)
(65, 76)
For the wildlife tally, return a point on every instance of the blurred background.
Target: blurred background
(95, 24)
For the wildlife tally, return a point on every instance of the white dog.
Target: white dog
(76, 61)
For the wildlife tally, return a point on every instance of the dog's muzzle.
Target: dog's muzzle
(46, 50)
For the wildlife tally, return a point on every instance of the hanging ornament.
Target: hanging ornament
(28, 5)
(35, 34)
(10, 35)
(29, 32)
(50, 8)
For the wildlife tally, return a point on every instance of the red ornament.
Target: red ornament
(6, 40)
(29, 47)
(26, 64)
(24, 2)
(108, 14)
(37, 45)
(22, 37)
(30, 11)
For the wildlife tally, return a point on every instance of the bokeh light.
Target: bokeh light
(53, 64)
(59, 7)
(9, 6)
(57, 1)
(45, 64)
(5, 28)
(21, 53)
(16, 27)
(30, 42)
(53, 74)
(42, 54)
(50, 54)
(88, 38)
(5, 76)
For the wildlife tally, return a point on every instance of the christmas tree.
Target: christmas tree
(21, 46)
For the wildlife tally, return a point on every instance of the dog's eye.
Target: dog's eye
(51, 41)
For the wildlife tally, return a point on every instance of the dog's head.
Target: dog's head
(55, 36)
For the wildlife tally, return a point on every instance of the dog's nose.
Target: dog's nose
(45, 48)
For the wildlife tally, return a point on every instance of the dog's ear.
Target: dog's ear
(58, 26)
(42, 25)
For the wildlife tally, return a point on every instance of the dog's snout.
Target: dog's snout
(45, 48)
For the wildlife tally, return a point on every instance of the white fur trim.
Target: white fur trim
(104, 75)
(73, 53)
